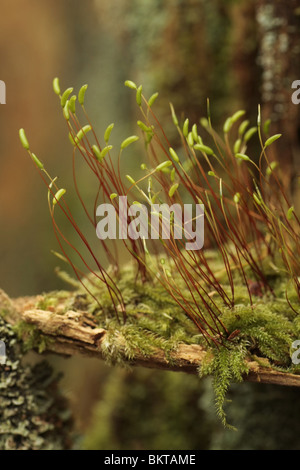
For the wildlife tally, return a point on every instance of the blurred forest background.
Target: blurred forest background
(238, 53)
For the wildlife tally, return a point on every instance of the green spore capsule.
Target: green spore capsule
(163, 165)
(227, 125)
(173, 189)
(204, 122)
(143, 126)
(204, 148)
(139, 95)
(113, 196)
(37, 161)
(174, 155)
(172, 175)
(129, 141)
(166, 170)
(80, 134)
(58, 196)
(237, 115)
(81, 94)
(108, 132)
(237, 145)
(72, 104)
(65, 96)
(105, 151)
(152, 99)
(130, 84)
(243, 127)
(174, 117)
(250, 133)
(195, 132)
(66, 111)
(242, 156)
(130, 179)
(290, 213)
(257, 199)
(56, 87)
(237, 198)
(190, 139)
(185, 128)
(96, 152)
(23, 139)
(272, 139)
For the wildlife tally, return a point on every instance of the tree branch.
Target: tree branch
(74, 333)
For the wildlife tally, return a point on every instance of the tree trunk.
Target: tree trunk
(279, 59)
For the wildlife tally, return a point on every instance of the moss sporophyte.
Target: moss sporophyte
(239, 293)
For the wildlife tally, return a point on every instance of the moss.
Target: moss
(6, 307)
(53, 301)
(226, 365)
(31, 337)
(266, 416)
(263, 331)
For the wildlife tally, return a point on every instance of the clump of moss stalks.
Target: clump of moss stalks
(239, 294)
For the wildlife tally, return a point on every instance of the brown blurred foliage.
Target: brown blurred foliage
(32, 46)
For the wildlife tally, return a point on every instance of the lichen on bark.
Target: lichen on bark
(33, 414)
